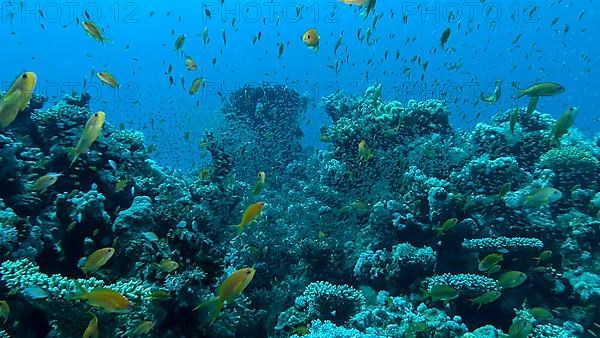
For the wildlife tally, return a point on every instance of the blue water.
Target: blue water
(142, 49)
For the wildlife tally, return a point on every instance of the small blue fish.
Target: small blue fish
(36, 292)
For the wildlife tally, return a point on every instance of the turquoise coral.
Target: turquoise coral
(325, 301)
(331, 222)
(502, 243)
(469, 285)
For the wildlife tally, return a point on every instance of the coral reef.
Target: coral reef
(352, 241)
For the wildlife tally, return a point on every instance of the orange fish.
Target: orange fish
(108, 79)
(252, 211)
(190, 64)
(228, 291)
(311, 38)
(196, 85)
(107, 299)
(97, 259)
(94, 31)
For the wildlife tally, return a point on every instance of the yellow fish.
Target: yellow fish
(447, 225)
(91, 131)
(158, 295)
(442, 292)
(228, 291)
(364, 153)
(45, 182)
(167, 265)
(259, 183)
(17, 98)
(514, 118)
(204, 173)
(108, 79)
(92, 329)
(121, 184)
(252, 211)
(370, 8)
(540, 313)
(107, 299)
(94, 31)
(542, 89)
(196, 85)
(190, 64)
(511, 279)
(4, 310)
(311, 38)
(562, 125)
(486, 298)
(179, 42)
(97, 259)
(142, 329)
(353, 2)
(489, 261)
(491, 99)
(542, 196)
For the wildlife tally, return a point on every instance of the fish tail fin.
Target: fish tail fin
(79, 293)
(473, 302)
(239, 227)
(72, 153)
(423, 293)
(213, 307)
(30, 186)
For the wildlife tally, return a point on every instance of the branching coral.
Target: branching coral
(502, 243)
(404, 262)
(573, 165)
(325, 301)
(469, 285)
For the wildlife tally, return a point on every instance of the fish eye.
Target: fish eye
(96, 115)
(24, 75)
(248, 271)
